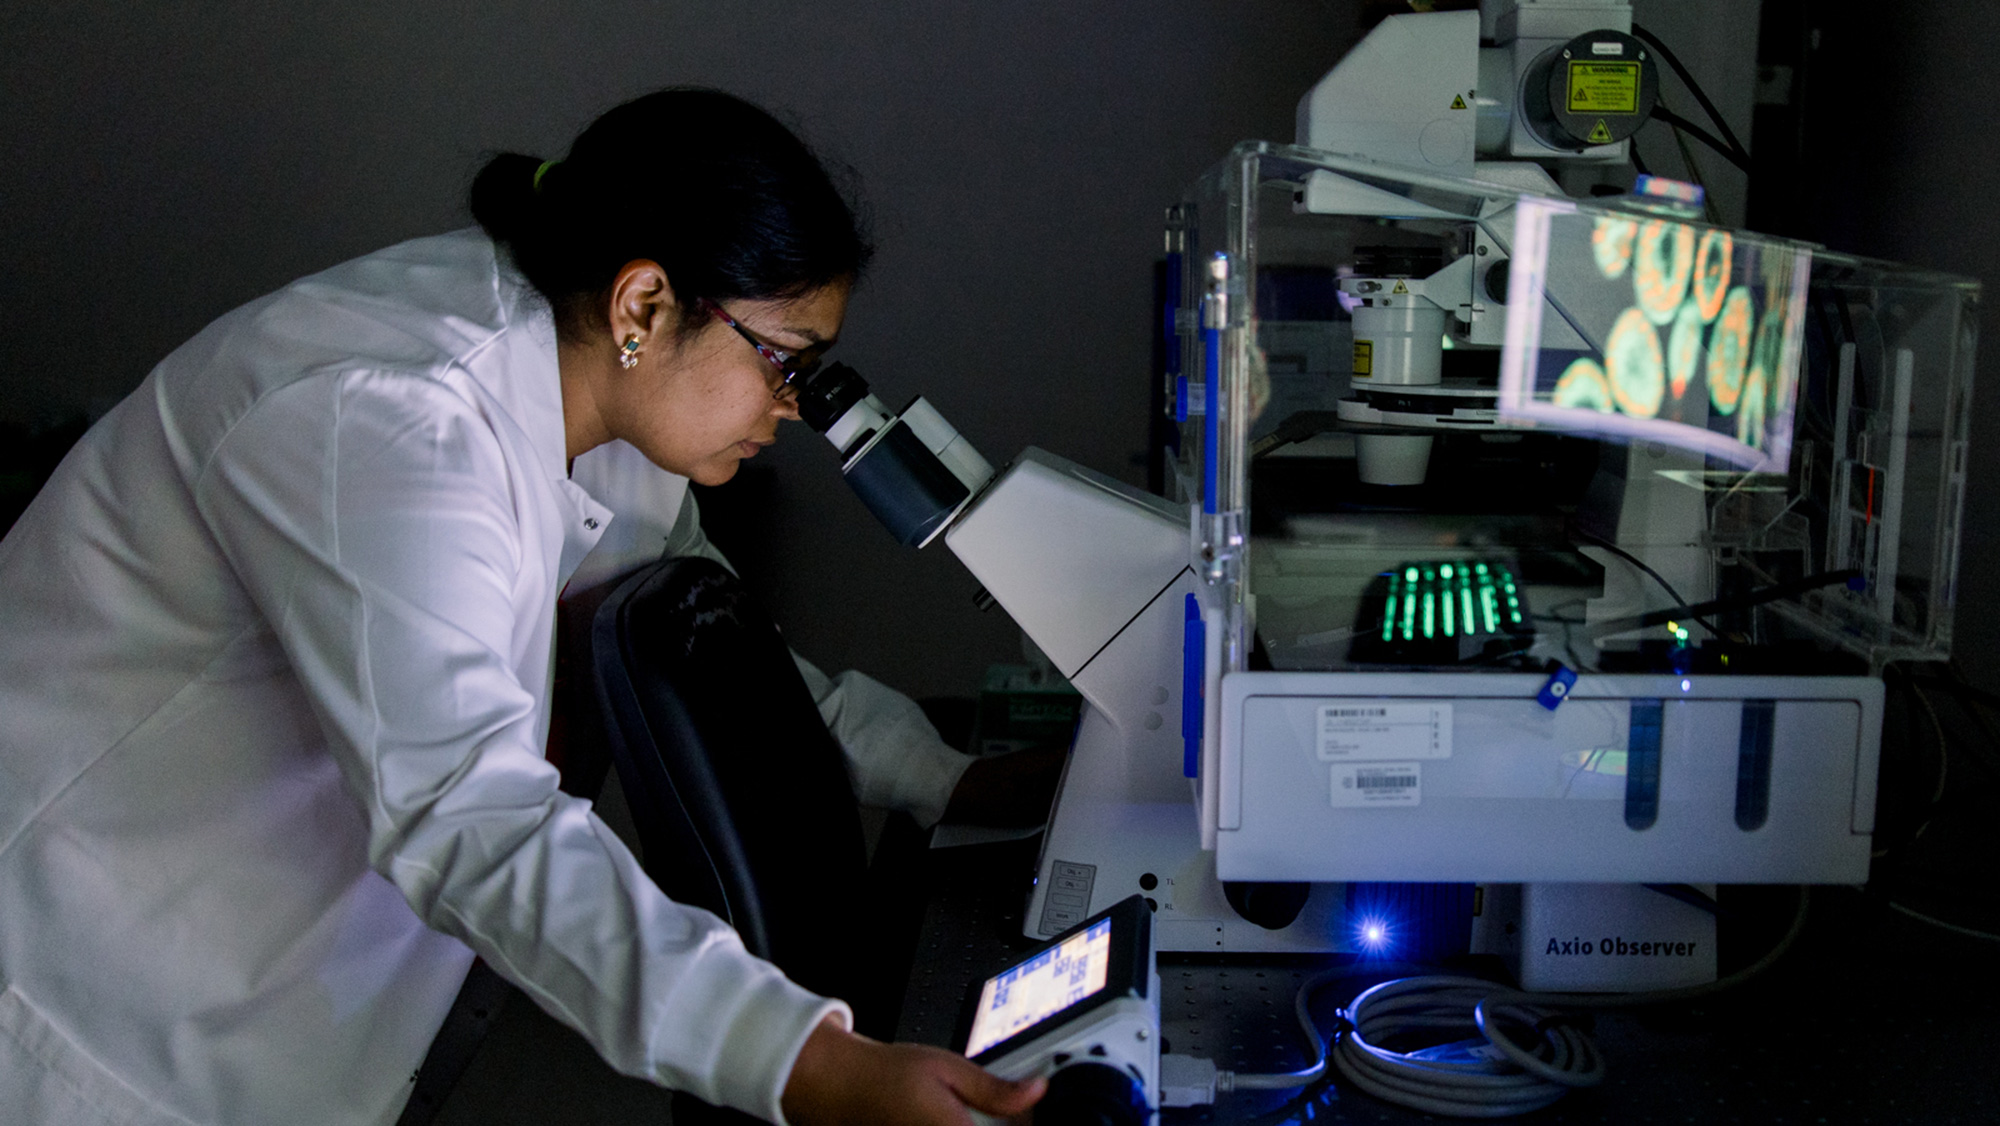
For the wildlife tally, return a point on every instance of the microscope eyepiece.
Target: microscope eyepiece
(829, 394)
(911, 468)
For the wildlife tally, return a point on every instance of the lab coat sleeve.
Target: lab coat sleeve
(895, 758)
(372, 520)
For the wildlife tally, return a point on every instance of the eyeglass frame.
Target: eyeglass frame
(790, 370)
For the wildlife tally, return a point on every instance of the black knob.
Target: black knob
(1092, 1094)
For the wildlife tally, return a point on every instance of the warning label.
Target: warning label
(1364, 358)
(1458, 101)
(1600, 134)
(1400, 288)
(1603, 87)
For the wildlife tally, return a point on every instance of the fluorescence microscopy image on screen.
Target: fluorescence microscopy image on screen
(1643, 326)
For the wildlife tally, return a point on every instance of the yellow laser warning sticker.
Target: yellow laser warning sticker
(1458, 101)
(1603, 87)
(1364, 358)
(1400, 287)
(1600, 135)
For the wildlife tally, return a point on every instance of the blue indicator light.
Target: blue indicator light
(1371, 934)
(1686, 685)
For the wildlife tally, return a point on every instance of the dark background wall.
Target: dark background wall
(166, 161)
(162, 162)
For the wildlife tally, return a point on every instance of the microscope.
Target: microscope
(1528, 563)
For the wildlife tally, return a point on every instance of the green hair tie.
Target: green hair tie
(543, 171)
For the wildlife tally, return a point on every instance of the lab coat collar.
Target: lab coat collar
(583, 526)
(531, 391)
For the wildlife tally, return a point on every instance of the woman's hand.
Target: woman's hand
(841, 1078)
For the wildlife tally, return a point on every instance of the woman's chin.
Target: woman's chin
(715, 471)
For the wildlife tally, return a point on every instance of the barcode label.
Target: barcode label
(1377, 783)
(1367, 732)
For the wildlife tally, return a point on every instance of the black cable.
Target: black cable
(1663, 114)
(1680, 604)
(1694, 174)
(1694, 88)
(1297, 427)
(1932, 920)
(1757, 597)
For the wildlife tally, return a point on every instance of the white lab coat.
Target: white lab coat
(275, 658)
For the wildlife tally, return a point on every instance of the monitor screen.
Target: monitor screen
(1638, 326)
(1042, 986)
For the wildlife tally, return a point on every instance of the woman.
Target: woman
(275, 656)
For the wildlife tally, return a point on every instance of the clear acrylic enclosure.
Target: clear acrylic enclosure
(1441, 423)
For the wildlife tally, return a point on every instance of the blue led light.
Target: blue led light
(1372, 935)
(1686, 685)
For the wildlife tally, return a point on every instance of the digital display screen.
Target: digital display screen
(1646, 327)
(1041, 987)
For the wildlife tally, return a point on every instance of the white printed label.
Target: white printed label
(1371, 784)
(1364, 731)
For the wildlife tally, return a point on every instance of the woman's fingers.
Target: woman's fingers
(988, 1093)
(841, 1079)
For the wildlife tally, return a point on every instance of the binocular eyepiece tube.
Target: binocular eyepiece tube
(912, 469)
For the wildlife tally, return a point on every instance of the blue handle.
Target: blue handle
(1194, 659)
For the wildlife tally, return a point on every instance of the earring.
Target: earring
(628, 352)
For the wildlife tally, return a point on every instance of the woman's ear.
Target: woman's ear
(643, 303)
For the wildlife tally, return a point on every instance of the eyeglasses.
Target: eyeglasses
(793, 367)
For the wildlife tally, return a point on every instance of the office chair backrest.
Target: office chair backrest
(740, 795)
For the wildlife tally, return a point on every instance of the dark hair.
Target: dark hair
(727, 200)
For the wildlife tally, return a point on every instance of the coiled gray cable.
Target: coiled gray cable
(1501, 1078)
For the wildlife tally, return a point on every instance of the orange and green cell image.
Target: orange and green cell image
(1684, 348)
(1611, 244)
(1711, 273)
(1662, 265)
(1729, 351)
(1583, 386)
(1633, 365)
